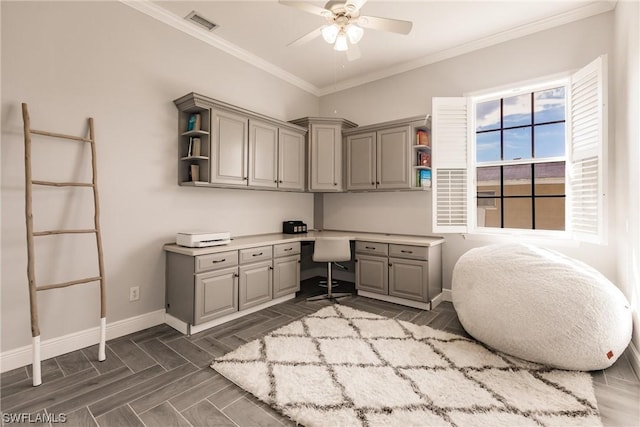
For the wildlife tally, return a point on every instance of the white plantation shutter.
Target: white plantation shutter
(587, 136)
(449, 164)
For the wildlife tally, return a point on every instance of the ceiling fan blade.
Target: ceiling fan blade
(307, 37)
(385, 24)
(353, 53)
(355, 4)
(307, 7)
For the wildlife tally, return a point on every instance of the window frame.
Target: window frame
(587, 160)
(507, 92)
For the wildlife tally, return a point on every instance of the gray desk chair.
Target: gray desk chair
(330, 250)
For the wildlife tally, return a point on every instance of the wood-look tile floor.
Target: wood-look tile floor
(159, 377)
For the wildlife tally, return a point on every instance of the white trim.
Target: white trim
(75, 341)
(634, 358)
(163, 15)
(396, 300)
(183, 327)
(591, 9)
(151, 9)
(446, 295)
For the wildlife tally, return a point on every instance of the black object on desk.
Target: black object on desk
(294, 227)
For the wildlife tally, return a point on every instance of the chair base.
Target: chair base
(327, 296)
(323, 284)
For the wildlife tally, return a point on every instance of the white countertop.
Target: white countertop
(244, 242)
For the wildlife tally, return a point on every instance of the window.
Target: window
(531, 161)
(520, 160)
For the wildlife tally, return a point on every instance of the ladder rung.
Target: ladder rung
(50, 232)
(60, 135)
(65, 284)
(63, 184)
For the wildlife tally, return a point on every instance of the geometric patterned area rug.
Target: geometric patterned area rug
(345, 367)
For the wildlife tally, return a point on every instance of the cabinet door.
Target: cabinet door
(291, 160)
(361, 161)
(408, 279)
(372, 273)
(229, 141)
(263, 154)
(394, 157)
(326, 158)
(255, 284)
(216, 294)
(286, 275)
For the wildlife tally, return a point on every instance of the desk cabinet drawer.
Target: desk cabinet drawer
(407, 251)
(261, 253)
(216, 261)
(372, 248)
(286, 249)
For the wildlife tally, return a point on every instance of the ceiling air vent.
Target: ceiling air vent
(196, 18)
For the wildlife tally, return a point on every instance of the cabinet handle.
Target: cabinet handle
(218, 260)
(377, 182)
(299, 262)
(335, 183)
(245, 178)
(270, 268)
(369, 247)
(257, 254)
(288, 249)
(236, 275)
(406, 252)
(390, 265)
(373, 183)
(275, 180)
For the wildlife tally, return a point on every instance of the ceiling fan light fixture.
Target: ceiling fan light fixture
(341, 42)
(354, 33)
(330, 33)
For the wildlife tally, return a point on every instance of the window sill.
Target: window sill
(550, 239)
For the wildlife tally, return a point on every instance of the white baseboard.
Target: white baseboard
(446, 295)
(635, 358)
(53, 347)
(183, 327)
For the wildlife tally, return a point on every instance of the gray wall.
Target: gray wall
(72, 60)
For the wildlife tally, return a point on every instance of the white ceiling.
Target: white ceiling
(259, 31)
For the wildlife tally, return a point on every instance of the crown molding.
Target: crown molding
(151, 9)
(583, 12)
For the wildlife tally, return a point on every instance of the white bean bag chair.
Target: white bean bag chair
(541, 306)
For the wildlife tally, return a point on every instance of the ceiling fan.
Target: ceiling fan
(345, 24)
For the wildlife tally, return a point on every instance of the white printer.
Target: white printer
(202, 239)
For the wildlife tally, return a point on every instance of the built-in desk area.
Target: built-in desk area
(209, 286)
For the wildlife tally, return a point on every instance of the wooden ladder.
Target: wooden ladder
(33, 288)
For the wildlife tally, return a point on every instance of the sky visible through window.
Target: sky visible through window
(532, 126)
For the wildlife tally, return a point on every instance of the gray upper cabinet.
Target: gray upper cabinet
(324, 152)
(291, 160)
(246, 149)
(361, 161)
(379, 160)
(263, 154)
(393, 158)
(381, 156)
(229, 148)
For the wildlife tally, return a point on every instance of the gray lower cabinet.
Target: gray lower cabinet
(256, 276)
(255, 284)
(286, 269)
(201, 288)
(402, 271)
(372, 273)
(286, 275)
(216, 294)
(408, 279)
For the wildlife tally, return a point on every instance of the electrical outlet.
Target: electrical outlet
(134, 293)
